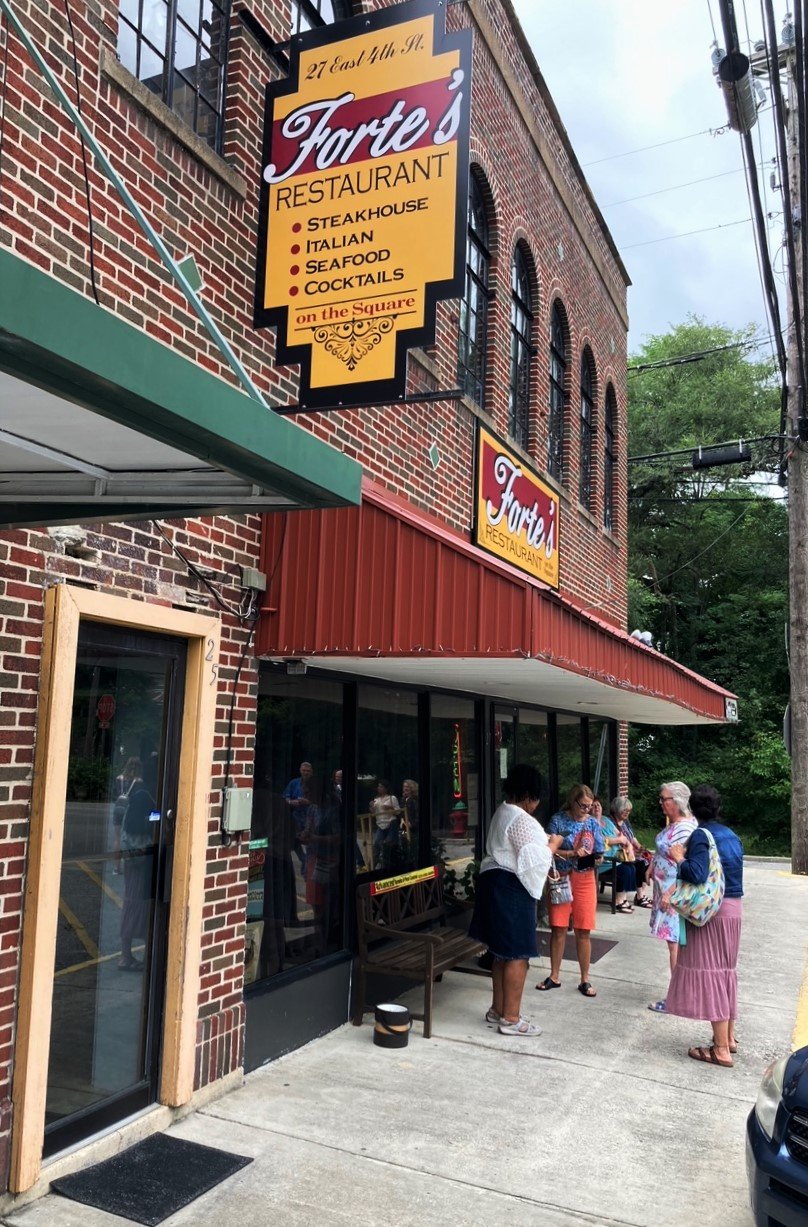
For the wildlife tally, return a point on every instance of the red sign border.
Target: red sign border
(475, 528)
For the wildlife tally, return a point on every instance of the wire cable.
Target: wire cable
(645, 148)
(696, 356)
(675, 187)
(666, 238)
(661, 578)
(90, 223)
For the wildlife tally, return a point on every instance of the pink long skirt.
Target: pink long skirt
(704, 983)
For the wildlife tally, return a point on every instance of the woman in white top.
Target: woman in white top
(511, 879)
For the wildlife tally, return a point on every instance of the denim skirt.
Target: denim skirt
(504, 916)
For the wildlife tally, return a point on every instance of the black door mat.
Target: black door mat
(600, 946)
(151, 1180)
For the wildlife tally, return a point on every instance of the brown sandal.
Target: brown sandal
(708, 1055)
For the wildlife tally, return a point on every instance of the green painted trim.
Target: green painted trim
(58, 340)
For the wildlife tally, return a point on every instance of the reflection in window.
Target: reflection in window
(558, 375)
(388, 774)
(609, 459)
(521, 350)
(534, 744)
(455, 782)
(308, 14)
(294, 912)
(600, 762)
(568, 752)
(504, 748)
(178, 49)
(587, 428)
(474, 306)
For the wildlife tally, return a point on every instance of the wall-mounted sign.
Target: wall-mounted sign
(731, 710)
(363, 198)
(517, 515)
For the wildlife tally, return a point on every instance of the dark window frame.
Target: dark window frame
(586, 470)
(311, 12)
(558, 397)
(609, 458)
(173, 79)
(473, 324)
(519, 383)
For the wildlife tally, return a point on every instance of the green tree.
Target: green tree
(708, 560)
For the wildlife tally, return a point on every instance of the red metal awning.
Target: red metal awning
(385, 591)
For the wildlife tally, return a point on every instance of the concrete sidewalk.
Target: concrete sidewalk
(602, 1119)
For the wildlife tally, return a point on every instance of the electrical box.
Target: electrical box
(237, 809)
(251, 577)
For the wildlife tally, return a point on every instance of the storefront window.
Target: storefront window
(294, 906)
(455, 782)
(600, 764)
(387, 781)
(534, 741)
(568, 748)
(504, 748)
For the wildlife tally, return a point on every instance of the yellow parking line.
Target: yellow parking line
(66, 971)
(80, 931)
(800, 1037)
(93, 876)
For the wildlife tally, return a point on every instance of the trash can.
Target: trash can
(392, 1029)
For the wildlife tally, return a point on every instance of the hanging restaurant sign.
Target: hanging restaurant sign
(363, 198)
(516, 514)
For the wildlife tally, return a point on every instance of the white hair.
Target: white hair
(681, 795)
(620, 806)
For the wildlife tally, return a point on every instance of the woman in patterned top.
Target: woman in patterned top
(582, 844)
(511, 879)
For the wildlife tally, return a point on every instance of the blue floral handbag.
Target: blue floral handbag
(699, 903)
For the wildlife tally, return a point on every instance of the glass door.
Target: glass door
(109, 972)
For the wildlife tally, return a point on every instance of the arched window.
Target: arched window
(587, 427)
(558, 374)
(521, 350)
(474, 306)
(609, 458)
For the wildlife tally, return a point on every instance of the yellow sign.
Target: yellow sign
(404, 879)
(364, 194)
(517, 515)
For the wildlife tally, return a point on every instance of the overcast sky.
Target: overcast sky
(626, 74)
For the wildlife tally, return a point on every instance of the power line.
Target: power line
(661, 578)
(686, 234)
(696, 356)
(675, 187)
(644, 148)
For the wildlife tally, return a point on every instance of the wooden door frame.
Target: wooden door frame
(65, 608)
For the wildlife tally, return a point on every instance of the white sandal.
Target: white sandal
(522, 1027)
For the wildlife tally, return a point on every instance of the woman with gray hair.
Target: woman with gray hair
(666, 924)
(641, 857)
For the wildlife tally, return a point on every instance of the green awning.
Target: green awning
(98, 421)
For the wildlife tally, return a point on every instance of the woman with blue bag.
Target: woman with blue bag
(705, 981)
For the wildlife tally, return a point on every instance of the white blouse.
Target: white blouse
(517, 842)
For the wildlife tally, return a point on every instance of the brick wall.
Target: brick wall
(208, 206)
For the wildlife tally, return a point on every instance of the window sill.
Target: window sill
(114, 71)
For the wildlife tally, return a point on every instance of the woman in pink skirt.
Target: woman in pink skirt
(704, 983)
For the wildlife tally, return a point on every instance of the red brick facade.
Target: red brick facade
(202, 204)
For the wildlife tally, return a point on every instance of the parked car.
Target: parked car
(777, 1144)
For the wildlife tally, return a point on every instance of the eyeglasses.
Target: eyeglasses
(583, 805)
(662, 800)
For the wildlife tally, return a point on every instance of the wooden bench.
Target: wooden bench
(402, 931)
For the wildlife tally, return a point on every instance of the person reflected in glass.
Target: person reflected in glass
(124, 783)
(386, 813)
(323, 840)
(137, 853)
(409, 821)
(298, 804)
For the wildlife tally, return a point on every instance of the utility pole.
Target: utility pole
(792, 123)
(797, 473)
